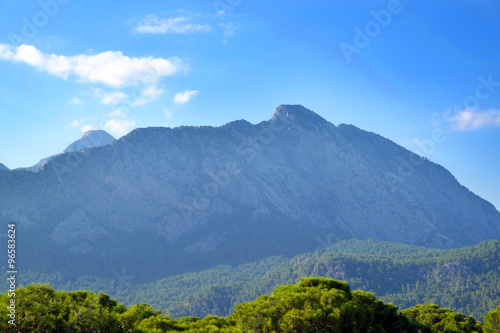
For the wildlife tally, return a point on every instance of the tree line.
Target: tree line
(314, 304)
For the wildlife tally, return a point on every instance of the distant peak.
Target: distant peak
(3, 167)
(96, 133)
(238, 124)
(292, 110)
(91, 139)
(296, 113)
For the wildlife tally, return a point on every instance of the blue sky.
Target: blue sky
(425, 74)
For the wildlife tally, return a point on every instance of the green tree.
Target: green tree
(436, 320)
(135, 314)
(318, 305)
(492, 321)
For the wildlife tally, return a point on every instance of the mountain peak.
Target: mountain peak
(91, 139)
(296, 113)
(3, 167)
(95, 133)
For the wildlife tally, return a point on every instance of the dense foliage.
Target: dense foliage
(313, 305)
(435, 319)
(492, 321)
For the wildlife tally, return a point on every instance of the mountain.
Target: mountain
(91, 139)
(164, 201)
(3, 167)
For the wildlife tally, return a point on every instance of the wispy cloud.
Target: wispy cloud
(149, 94)
(87, 128)
(472, 119)
(229, 28)
(110, 98)
(111, 68)
(167, 113)
(117, 114)
(185, 96)
(119, 127)
(76, 101)
(152, 24)
(76, 123)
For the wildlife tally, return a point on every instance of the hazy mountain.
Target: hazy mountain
(164, 201)
(3, 167)
(91, 139)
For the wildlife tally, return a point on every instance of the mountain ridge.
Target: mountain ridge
(239, 192)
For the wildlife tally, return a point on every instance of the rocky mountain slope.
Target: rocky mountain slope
(168, 200)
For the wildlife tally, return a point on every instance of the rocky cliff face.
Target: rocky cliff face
(193, 195)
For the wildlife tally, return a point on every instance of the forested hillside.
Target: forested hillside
(466, 280)
(313, 305)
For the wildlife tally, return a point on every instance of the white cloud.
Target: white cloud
(117, 114)
(185, 96)
(113, 98)
(84, 128)
(151, 24)
(111, 68)
(149, 94)
(471, 119)
(109, 98)
(76, 101)
(76, 123)
(87, 128)
(167, 113)
(119, 127)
